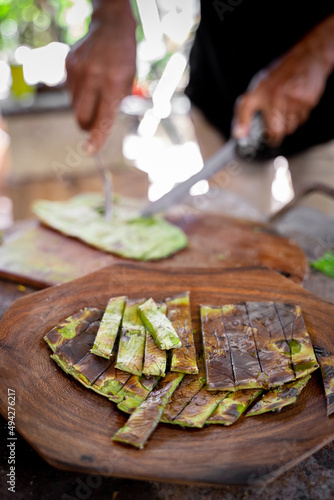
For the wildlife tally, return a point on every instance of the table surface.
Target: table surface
(311, 479)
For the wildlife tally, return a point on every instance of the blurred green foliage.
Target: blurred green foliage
(37, 23)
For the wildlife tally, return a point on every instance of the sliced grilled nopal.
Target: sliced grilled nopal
(302, 353)
(76, 348)
(178, 312)
(146, 417)
(131, 347)
(71, 327)
(326, 362)
(218, 366)
(155, 359)
(111, 381)
(89, 368)
(109, 327)
(200, 408)
(279, 397)
(134, 392)
(272, 348)
(246, 366)
(188, 388)
(233, 406)
(158, 325)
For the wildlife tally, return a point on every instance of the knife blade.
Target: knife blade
(245, 147)
(107, 186)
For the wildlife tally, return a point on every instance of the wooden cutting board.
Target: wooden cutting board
(71, 427)
(35, 255)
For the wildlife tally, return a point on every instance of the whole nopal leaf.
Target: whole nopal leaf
(141, 238)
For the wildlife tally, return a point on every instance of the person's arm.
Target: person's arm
(101, 68)
(288, 90)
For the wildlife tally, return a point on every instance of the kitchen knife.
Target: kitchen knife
(107, 185)
(245, 147)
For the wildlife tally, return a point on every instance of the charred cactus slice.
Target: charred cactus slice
(233, 406)
(89, 368)
(302, 353)
(246, 366)
(134, 392)
(109, 327)
(272, 348)
(277, 398)
(75, 349)
(200, 408)
(218, 366)
(326, 362)
(72, 326)
(158, 325)
(155, 359)
(178, 312)
(111, 381)
(131, 348)
(146, 417)
(188, 388)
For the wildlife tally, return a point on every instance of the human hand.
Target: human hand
(287, 91)
(101, 68)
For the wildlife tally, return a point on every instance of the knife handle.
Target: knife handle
(249, 146)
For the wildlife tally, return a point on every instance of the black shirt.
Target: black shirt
(238, 38)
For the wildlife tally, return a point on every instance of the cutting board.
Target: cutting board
(71, 427)
(35, 255)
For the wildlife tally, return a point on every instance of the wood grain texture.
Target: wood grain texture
(71, 427)
(38, 256)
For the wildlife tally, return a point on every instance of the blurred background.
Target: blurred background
(40, 144)
(152, 145)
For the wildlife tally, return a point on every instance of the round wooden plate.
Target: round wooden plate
(71, 427)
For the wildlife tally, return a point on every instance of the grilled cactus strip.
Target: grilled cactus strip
(326, 362)
(134, 392)
(109, 327)
(75, 349)
(277, 398)
(131, 348)
(302, 353)
(246, 366)
(71, 326)
(155, 359)
(233, 406)
(89, 368)
(200, 408)
(188, 388)
(178, 312)
(158, 325)
(146, 417)
(218, 366)
(272, 348)
(111, 381)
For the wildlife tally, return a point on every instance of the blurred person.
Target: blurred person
(248, 56)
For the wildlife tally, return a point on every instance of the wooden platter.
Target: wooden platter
(71, 426)
(38, 256)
